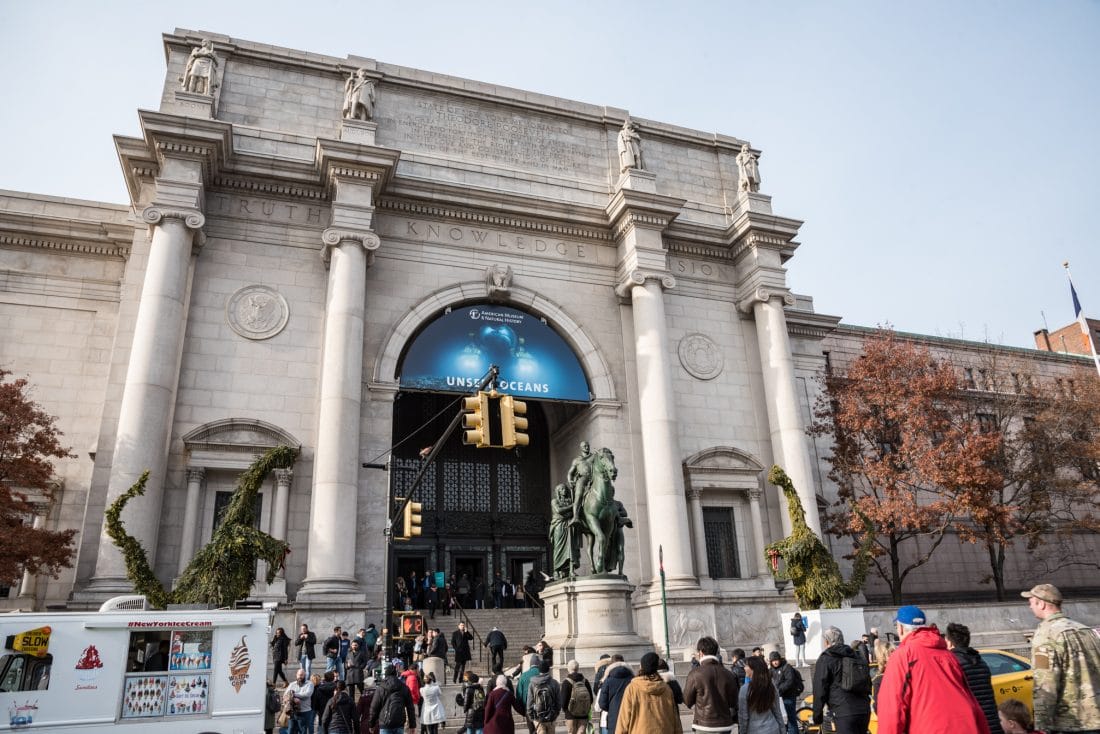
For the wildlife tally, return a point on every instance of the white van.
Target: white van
(175, 672)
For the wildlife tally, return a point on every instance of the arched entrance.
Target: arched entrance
(485, 510)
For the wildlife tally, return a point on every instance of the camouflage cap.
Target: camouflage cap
(1044, 592)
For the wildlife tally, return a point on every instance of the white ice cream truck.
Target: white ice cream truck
(126, 668)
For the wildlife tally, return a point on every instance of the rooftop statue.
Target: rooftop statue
(200, 74)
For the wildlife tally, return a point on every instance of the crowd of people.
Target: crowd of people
(425, 592)
(927, 682)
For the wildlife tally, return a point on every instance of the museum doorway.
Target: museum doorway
(483, 509)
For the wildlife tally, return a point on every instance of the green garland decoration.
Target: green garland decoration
(224, 570)
(137, 562)
(818, 583)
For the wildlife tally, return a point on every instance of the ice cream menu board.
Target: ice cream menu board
(144, 696)
(188, 694)
(190, 650)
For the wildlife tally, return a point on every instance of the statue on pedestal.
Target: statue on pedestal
(748, 170)
(586, 507)
(201, 71)
(630, 148)
(359, 97)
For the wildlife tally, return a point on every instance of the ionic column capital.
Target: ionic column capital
(193, 219)
(763, 295)
(695, 495)
(195, 474)
(334, 237)
(755, 494)
(283, 477)
(639, 277)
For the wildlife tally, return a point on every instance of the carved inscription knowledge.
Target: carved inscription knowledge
(450, 127)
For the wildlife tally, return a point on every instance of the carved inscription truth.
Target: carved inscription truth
(529, 142)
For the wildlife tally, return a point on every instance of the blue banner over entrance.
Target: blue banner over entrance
(455, 351)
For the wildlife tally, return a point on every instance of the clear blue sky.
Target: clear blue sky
(943, 155)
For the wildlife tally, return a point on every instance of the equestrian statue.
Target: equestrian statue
(584, 507)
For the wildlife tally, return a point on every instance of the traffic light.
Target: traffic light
(476, 409)
(411, 520)
(513, 422)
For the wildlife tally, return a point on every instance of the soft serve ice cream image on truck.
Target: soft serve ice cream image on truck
(176, 672)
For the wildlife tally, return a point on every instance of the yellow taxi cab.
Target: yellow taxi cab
(1011, 675)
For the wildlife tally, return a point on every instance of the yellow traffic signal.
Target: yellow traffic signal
(513, 422)
(412, 519)
(476, 409)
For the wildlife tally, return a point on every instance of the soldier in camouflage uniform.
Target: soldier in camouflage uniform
(1065, 656)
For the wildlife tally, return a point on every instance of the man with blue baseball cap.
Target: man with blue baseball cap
(924, 690)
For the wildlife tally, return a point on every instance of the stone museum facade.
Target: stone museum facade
(296, 225)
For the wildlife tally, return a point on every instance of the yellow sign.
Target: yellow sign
(33, 642)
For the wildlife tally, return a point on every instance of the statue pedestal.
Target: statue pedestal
(588, 617)
(358, 131)
(638, 180)
(190, 104)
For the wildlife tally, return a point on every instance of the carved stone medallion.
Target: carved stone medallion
(701, 357)
(257, 312)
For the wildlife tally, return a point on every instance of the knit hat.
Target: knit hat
(774, 655)
(649, 664)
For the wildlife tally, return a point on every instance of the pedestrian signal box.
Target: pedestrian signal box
(412, 625)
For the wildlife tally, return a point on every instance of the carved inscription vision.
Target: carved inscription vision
(452, 127)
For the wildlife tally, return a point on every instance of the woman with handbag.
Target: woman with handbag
(340, 716)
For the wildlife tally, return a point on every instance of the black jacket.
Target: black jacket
(322, 694)
(475, 712)
(614, 685)
(460, 643)
(438, 648)
(280, 649)
(339, 716)
(392, 706)
(496, 638)
(787, 680)
(827, 688)
(307, 645)
(978, 679)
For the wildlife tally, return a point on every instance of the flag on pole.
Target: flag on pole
(1079, 314)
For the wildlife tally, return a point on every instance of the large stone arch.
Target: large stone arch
(593, 363)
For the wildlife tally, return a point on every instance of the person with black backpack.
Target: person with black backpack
(788, 682)
(543, 700)
(576, 699)
(392, 709)
(842, 681)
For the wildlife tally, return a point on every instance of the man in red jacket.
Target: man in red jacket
(924, 690)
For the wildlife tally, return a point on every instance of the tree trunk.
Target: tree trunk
(896, 578)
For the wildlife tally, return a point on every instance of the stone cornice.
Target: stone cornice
(209, 142)
(755, 230)
(364, 164)
(809, 324)
(267, 187)
(634, 278)
(492, 219)
(629, 208)
(65, 234)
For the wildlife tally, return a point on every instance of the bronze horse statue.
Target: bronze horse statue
(599, 516)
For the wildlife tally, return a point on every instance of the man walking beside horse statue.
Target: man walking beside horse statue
(585, 508)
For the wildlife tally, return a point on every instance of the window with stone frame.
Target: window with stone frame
(221, 503)
(720, 536)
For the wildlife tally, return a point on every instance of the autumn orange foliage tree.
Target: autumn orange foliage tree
(905, 453)
(1047, 458)
(28, 441)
